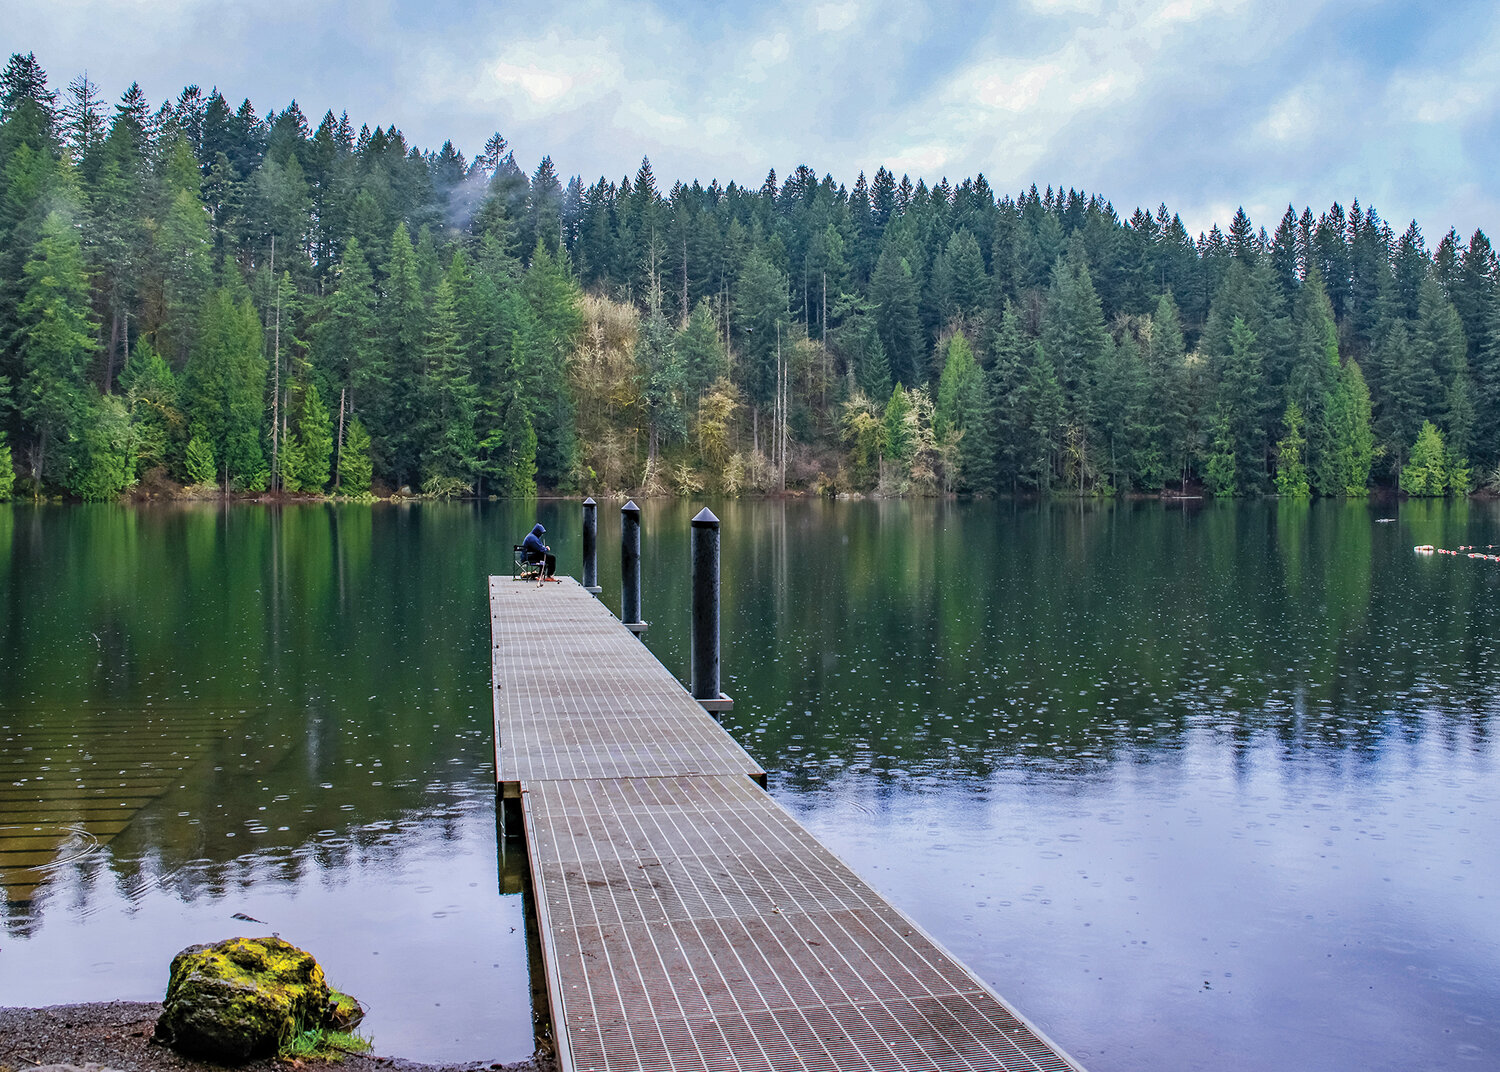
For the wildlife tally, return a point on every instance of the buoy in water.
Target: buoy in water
(1423, 549)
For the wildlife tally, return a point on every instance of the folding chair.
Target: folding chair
(524, 568)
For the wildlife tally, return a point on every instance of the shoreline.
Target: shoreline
(118, 1035)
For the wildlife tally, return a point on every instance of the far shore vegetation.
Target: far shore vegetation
(199, 300)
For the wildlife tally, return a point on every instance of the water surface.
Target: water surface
(1202, 787)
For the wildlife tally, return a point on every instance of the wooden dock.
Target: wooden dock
(687, 920)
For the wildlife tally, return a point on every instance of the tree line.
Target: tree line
(194, 294)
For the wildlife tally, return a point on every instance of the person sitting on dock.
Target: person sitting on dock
(539, 552)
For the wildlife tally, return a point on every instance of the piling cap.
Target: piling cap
(705, 518)
(630, 507)
(590, 501)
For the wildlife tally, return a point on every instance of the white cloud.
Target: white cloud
(928, 159)
(1065, 7)
(548, 75)
(765, 54)
(639, 115)
(1291, 120)
(1443, 96)
(833, 18)
(994, 86)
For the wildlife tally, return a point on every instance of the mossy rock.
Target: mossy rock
(344, 1013)
(241, 999)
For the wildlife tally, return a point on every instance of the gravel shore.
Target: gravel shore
(117, 1035)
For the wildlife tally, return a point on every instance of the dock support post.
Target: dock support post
(591, 546)
(705, 632)
(630, 567)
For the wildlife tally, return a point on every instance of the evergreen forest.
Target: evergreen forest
(196, 298)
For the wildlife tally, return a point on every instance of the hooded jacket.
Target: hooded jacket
(533, 545)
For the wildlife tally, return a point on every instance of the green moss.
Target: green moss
(242, 998)
(344, 1013)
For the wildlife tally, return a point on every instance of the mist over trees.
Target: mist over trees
(195, 294)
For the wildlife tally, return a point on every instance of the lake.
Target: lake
(1192, 785)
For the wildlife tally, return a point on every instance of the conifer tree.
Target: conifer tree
(1426, 474)
(346, 342)
(1354, 437)
(994, 459)
(7, 471)
(198, 463)
(661, 377)
(450, 452)
(224, 385)
(894, 297)
(555, 304)
(314, 438)
(403, 315)
(150, 392)
(1044, 411)
(1073, 333)
(1237, 416)
(291, 460)
(897, 445)
(104, 461)
(1291, 471)
(355, 467)
(699, 352)
(1220, 474)
(760, 320)
(958, 400)
(54, 341)
(1166, 438)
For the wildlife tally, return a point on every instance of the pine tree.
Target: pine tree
(1166, 434)
(699, 351)
(293, 465)
(994, 460)
(1044, 413)
(104, 462)
(1427, 472)
(7, 471)
(661, 377)
(897, 445)
(760, 321)
(224, 386)
(894, 295)
(355, 467)
(512, 449)
(150, 392)
(346, 343)
(450, 453)
(1355, 438)
(556, 306)
(198, 463)
(1237, 416)
(314, 438)
(1314, 386)
(1291, 472)
(958, 399)
(396, 424)
(1074, 335)
(1220, 473)
(54, 341)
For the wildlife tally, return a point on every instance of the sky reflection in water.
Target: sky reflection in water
(1192, 788)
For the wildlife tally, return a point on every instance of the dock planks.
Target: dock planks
(687, 920)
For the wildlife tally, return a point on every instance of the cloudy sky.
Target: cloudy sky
(1202, 104)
